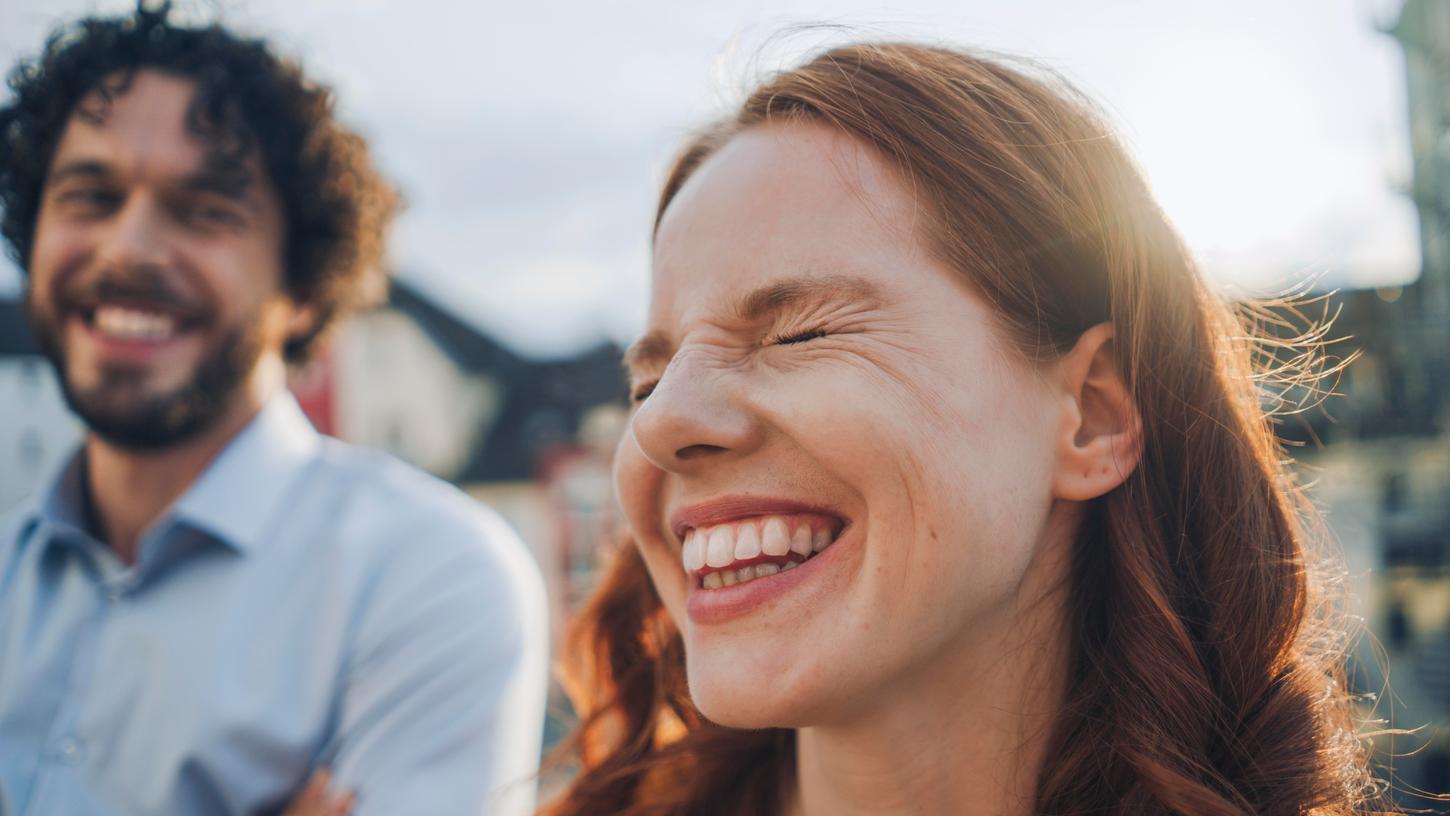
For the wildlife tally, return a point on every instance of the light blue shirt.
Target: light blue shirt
(305, 604)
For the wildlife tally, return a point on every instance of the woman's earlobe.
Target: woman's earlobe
(1101, 440)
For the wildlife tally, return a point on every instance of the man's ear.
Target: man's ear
(1101, 436)
(302, 321)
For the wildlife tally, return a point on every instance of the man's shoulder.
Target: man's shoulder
(378, 480)
(433, 560)
(413, 520)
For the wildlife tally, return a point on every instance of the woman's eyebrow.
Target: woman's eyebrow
(652, 349)
(775, 297)
(655, 349)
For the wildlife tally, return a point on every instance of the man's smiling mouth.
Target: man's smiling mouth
(133, 324)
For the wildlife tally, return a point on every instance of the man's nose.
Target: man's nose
(135, 235)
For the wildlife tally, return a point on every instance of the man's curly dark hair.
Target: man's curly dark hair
(336, 207)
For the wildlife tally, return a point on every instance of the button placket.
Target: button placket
(66, 749)
(70, 749)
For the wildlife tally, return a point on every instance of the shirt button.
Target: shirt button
(70, 750)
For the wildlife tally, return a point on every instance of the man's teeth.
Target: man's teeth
(133, 324)
(792, 539)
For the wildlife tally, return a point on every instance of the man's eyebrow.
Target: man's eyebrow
(655, 349)
(221, 176)
(79, 168)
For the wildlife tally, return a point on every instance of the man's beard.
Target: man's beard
(159, 421)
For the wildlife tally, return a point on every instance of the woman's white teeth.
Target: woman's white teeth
(820, 540)
(694, 551)
(731, 577)
(725, 544)
(747, 542)
(720, 547)
(725, 578)
(774, 538)
(800, 543)
(134, 324)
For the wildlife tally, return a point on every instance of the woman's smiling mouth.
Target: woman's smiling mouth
(736, 552)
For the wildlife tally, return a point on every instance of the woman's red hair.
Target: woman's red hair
(1205, 667)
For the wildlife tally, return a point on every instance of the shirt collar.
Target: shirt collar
(63, 503)
(233, 499)
(237, 495)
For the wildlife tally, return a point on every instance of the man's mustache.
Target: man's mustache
(151, 291)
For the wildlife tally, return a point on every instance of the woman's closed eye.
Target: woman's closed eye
(797, 337)
(641, 392)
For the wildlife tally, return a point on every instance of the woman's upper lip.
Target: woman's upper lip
(730, 508)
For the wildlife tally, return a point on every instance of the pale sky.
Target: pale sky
(529, 138)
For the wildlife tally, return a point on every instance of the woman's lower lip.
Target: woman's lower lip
(714, 606)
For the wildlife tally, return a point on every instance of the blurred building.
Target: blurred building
(1382, 472)
(1423, 31)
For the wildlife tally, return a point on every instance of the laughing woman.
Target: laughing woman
(947, 486)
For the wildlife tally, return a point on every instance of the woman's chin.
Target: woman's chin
(748, 715)
(754, 704)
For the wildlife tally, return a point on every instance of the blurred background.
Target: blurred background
(1294, 143)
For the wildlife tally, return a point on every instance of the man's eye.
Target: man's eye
(800, 337)
(204, 214)
(641, 392)
(90, 199)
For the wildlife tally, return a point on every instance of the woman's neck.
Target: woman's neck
(966, 735)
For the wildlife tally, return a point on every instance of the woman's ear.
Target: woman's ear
(1101, 436)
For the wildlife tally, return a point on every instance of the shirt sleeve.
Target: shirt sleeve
(442, 706)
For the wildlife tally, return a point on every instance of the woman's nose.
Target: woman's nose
(696, 415)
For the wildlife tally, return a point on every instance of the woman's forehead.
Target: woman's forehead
(779, 203)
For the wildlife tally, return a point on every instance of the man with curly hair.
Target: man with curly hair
(211, 604)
